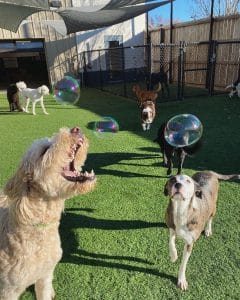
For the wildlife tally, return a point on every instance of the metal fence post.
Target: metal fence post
(212, 67)
(123, 74)
(100, 70)
(181, 57)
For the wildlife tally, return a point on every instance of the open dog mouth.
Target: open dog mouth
(69, 172)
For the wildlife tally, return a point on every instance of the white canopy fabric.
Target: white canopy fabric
(12, 13)
(76, 20)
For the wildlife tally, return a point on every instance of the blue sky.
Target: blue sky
(181, 11)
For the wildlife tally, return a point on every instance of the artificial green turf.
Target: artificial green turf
(115, 242)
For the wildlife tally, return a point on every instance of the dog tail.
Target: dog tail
(226, 177)
(191, 150)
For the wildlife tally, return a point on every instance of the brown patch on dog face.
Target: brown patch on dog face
(168, 186)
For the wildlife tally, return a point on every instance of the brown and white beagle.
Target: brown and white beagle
(148, 113)
(191, 209)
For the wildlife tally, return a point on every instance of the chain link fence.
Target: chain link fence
(191, 69)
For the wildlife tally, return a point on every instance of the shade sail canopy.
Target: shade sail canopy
(74, 19)
(112, 4)
(12, 13)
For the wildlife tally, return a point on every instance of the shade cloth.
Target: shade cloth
(74, 19)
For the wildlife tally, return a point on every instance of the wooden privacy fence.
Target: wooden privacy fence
(207, 64)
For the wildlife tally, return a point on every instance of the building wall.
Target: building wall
(61, 52)
(128, 33)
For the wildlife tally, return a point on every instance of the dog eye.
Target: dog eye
(188, 181)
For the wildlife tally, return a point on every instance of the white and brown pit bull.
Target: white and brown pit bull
(191, 209)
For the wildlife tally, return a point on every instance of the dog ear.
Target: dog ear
(39, 90)
(198, 190)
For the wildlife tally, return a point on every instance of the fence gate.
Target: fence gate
(196, 68)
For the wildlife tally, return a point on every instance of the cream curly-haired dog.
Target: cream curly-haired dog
(30, 209)
(34, 95)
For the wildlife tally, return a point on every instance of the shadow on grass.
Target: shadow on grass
(97, 162)
(220, 121)
(72, 253)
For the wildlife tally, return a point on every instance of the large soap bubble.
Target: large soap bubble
(183, 130)
(107, 127)
(67, 90)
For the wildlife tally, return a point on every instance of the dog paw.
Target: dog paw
(46, 113)
(182, 284)
(208, 232)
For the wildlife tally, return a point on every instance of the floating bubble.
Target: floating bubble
(67, 90)
(107, 127)
(183, 130)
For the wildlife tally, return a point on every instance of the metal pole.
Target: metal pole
(171, 22)
(149, 50)
(208, 83)
(211, 21)
(171, 41)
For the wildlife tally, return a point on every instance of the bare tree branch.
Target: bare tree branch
(202, 8)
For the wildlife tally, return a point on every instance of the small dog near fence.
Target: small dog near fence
(162, 78)
(144, 95)
(235, 89)
(191, 209)
(168, 151)
(31, 205)
(34, 95)
(147, 104)
(148, 113)
(13, 98)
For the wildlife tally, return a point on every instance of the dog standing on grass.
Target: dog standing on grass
(191, 209)
(168, 151)
(31, 205)
(13, 98)
(147, 104)
(162, 78)
(34, 95)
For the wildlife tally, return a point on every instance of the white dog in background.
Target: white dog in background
(235, 89)
(34, 95)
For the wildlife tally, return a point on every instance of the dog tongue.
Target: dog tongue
(71, 173)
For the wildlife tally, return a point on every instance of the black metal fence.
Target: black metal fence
(192, 69)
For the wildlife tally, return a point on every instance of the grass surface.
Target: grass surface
(115, 242)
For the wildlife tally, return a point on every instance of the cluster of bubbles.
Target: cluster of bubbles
(107, 127)
(183, 130)
(67, 90)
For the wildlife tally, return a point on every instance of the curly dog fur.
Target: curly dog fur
(13, 98)
(30, 210)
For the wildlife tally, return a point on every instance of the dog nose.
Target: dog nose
(75, 130)
(178, 185)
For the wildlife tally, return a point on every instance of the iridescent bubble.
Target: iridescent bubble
(67, 90)
(107, 127)
(183, 130)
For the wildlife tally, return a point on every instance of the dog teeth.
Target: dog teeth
(92, 173)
